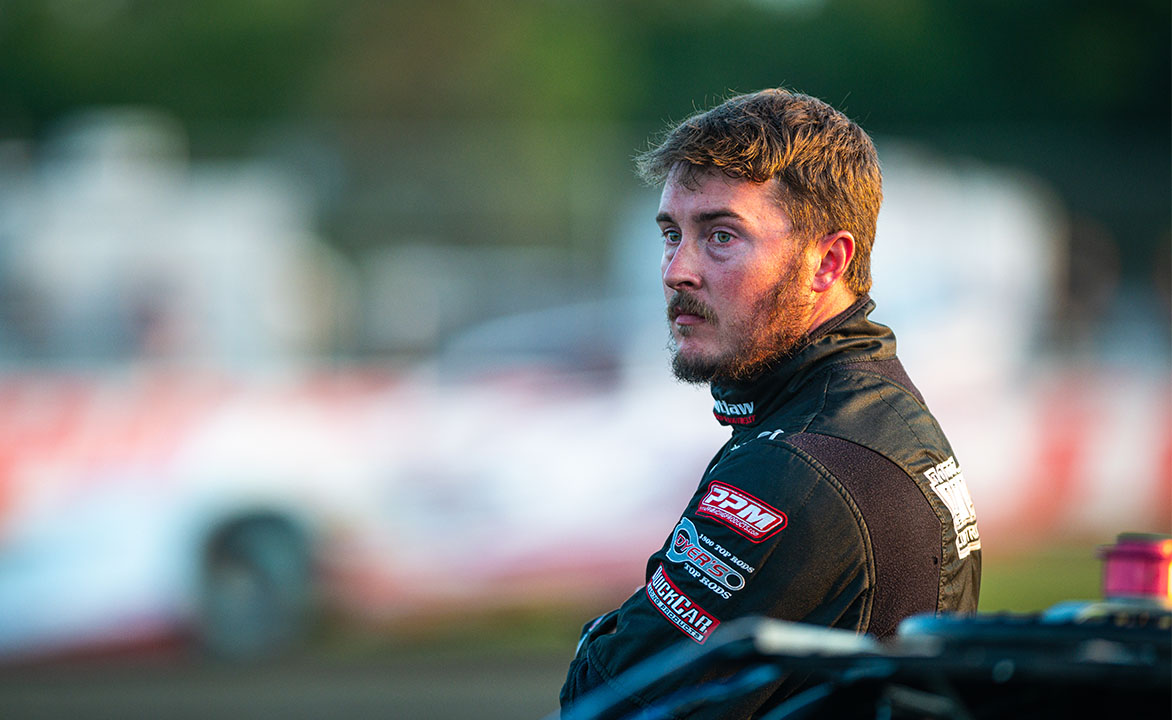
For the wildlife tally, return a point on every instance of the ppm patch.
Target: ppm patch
(741, 511)
(678, 608)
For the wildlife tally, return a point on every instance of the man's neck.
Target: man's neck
(830, 304)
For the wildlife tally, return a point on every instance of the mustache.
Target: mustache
(685, 304)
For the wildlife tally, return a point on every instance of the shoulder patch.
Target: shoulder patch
(678, 608)
(947, 481)
(747, 515)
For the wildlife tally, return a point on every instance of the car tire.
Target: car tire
(255, 590)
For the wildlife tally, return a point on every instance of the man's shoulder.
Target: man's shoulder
(806, 458)
(864, 416)
(769, 466)
(766, 489)
(874, 404)
(877, 437)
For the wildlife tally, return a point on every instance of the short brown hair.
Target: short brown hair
(826, 167)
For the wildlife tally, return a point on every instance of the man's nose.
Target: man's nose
(681, 266)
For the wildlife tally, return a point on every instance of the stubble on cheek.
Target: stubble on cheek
(772, 331)
(782, 322)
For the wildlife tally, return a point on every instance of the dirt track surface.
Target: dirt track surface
(407, 685)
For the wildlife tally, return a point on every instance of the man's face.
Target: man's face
(737, 284)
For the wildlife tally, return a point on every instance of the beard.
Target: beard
(773, 331)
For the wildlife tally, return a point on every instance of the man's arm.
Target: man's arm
(768, 533)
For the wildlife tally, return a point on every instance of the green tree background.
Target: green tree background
(486, 121)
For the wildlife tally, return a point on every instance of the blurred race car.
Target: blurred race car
(148, 505)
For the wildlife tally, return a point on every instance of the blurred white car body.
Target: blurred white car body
(470, 483)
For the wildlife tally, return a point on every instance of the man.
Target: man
(837, 501)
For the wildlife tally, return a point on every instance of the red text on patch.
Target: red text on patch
(741, 511)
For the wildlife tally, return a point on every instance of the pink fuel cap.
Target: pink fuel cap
(1138, 566)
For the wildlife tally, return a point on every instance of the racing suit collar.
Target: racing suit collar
(847, 337)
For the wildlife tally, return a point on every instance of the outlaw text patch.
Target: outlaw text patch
(734, 413)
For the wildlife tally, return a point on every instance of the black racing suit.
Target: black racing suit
(837, 501)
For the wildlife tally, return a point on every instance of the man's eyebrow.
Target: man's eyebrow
(703, 217)
(717, 215)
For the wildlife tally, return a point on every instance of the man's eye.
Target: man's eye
(721, 237)
(671, 236)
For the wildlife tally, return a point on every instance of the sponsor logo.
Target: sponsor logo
(947, 481)
(678, 608)
(734, 413)
(727, 554)
(741, 511)
(685, 548)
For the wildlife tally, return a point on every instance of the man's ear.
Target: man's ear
(834, 253)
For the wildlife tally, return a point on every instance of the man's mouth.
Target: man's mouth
(683, 309)
(687, 319)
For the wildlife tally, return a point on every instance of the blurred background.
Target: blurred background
(326, 328)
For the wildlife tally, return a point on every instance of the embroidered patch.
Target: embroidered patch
(947, 481)
(685, 548)
(753, 518)
(734, 413)
(678, 608)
